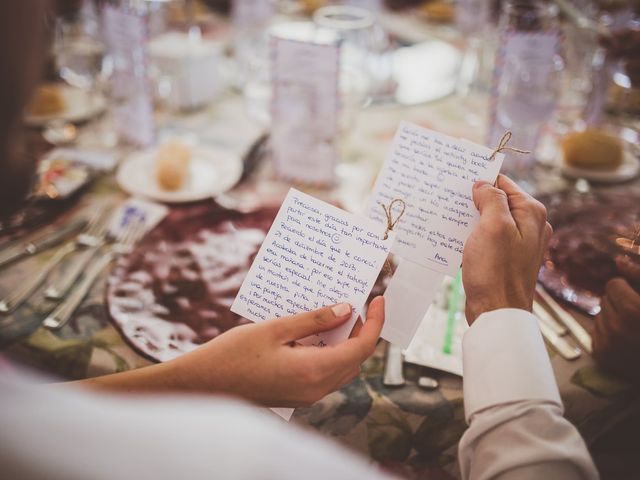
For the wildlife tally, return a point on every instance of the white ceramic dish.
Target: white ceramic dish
(212, 171)
(629, 170)
(79, 106)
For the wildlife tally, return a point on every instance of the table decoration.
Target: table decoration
(305, 103)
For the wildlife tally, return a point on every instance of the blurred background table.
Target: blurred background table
(410, 430)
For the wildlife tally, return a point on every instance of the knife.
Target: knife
(577, 330)
(562, 346)
(545, 317)
(46, 240)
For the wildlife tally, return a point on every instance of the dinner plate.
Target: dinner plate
(212, 171)
(79, 106)
(174, 291)
(628, 170)
(584, 252)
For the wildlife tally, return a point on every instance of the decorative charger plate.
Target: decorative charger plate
(584, 252)
(174, 291)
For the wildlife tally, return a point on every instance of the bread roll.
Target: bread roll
(47, 100)
(592, 150)
(172, 165)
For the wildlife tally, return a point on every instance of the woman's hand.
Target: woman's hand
(262, 363)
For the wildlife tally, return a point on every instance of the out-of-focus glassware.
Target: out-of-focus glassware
(80, 51)
(251, 21)
(187, 69)
(527, 83)
(581, 55)
(473, 22)
(365, 53)
(82, 62)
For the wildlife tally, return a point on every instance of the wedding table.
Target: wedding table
(410, 430)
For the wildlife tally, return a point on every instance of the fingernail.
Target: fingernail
(479, 183)
(341, 309)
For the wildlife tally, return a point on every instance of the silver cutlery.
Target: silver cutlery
(577, 330)
(393, 374)
(88, 242)
(545, 317)
(26, 288)
(46, 240)
(561, 345)
(123, 245)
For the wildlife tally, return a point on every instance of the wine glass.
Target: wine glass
(81, 62)
(529, 84)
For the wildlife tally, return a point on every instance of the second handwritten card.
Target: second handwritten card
(434, 175)
(314, 255)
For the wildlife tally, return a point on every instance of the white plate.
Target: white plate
(79, 107)
(212, 171)
(629, 170)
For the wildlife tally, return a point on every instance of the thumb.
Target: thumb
(295, 327)
(492, 202)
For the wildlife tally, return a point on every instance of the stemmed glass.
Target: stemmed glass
(529, 84)
(81, 58)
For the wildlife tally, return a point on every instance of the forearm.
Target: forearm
(525, 440)
(513, 406)
(162, 377)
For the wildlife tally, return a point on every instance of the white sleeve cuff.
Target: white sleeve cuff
(505, 361)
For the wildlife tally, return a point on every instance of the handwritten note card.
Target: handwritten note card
(304, 109)
(434, 175)
(314, 255)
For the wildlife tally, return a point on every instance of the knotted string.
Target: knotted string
(503, 146)
(388, 212)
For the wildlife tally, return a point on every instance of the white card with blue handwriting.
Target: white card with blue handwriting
(314, 255)
(434, 175)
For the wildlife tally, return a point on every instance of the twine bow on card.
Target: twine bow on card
(388, 211)
(502, 146)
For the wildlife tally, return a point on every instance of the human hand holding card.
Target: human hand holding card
(314, 255)
(434, 175)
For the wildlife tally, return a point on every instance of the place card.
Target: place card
(126, 37)
(314, 255)
(304, 110)
(434, 175)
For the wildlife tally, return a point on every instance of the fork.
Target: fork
(24, 290)
(124, 243)
(88, 243)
